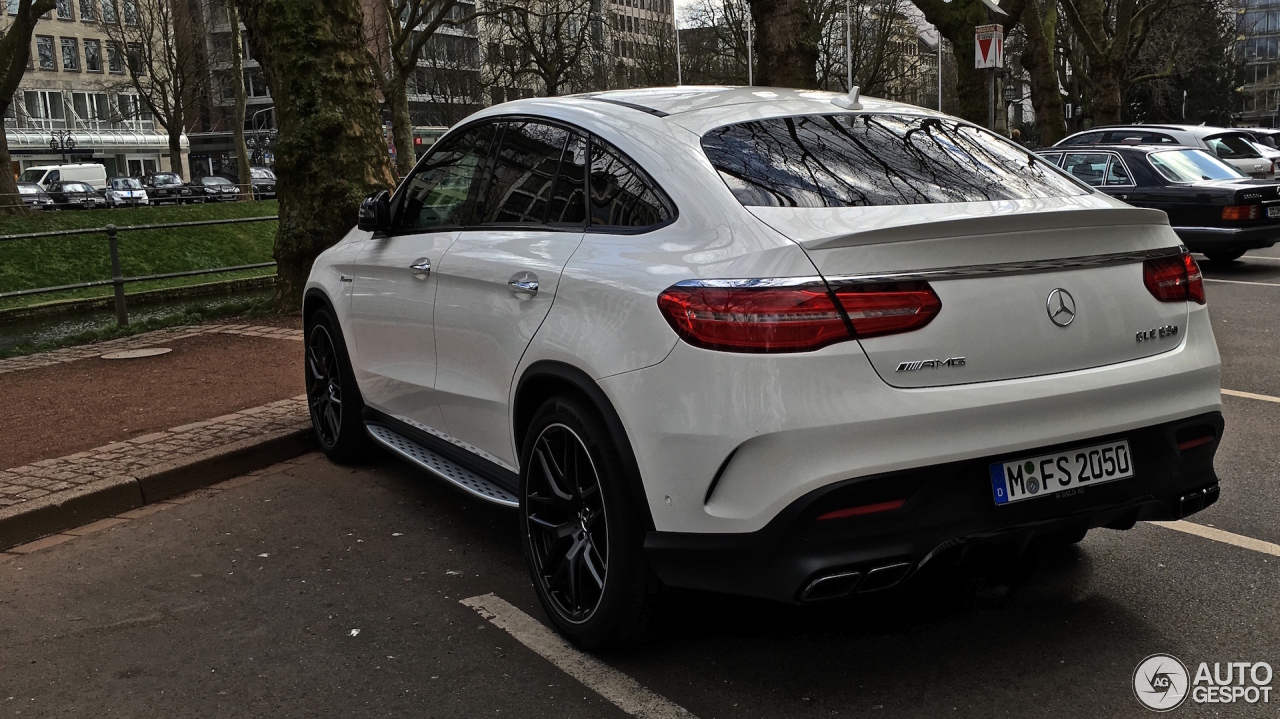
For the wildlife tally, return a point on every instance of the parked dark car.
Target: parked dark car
(216, 189)
(1211, 205)
(264, 182)
(34, 196)
(168, 187)
(75, 196)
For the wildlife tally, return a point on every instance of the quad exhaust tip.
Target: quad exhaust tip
(843, 583)
(1189, 504)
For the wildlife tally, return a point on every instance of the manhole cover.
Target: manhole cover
(135, 354)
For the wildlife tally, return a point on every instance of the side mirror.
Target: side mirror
(375, 212)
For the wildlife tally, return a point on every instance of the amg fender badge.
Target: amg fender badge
(930, 364)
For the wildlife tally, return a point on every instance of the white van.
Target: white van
(91, 173)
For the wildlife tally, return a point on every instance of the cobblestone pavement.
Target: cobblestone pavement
(124, 459)
(139, 341)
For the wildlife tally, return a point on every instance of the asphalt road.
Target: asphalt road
(244, 602)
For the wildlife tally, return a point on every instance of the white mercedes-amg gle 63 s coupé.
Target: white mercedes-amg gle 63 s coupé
(769, 342)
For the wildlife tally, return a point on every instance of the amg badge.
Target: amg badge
(930, 364)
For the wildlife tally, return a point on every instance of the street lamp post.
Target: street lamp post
(62, 142)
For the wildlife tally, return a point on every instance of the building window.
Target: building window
(93, 55)
(129, 9)
(44, 53)
(70, 54)
(46, 106)
(88, 13)
(132, 109)
(114, 62)
(64, 10)
(91, 107)
(135, 59)
(13, 7)
(109, 11)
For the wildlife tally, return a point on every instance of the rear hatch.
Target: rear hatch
(1003, 273)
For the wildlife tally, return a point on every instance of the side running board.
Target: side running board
(451, 472)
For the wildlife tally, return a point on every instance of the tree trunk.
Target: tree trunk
(243, 179)
(15, 49)
(330, 153)
(175, 146)
(1105, 99)
(397, 96)
(786, 44)
(1040, 20)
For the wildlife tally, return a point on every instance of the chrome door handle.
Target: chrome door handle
(421, 268)
(524, 283)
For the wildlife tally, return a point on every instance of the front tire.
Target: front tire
(1224, 256)
(582, 539)
(332, 395)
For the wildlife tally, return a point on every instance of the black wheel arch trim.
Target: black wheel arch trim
(583, 383)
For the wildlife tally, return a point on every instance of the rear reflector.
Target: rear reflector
(1193, 443)
(1174, 279)
(784, 315)
(1241, 212)
(864, 509)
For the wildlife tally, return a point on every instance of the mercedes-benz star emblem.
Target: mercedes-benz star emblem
(1061, 307)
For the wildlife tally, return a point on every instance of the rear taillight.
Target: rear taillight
(1174, 279)
(791, 316)
(1241, 212)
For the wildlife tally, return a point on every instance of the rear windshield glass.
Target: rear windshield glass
(851, 160)
(1232, 147)
(1191, 166)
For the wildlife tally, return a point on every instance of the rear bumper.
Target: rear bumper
(797, 557)
(1208, 239)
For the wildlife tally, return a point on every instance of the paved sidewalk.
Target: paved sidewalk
(55, 494)
(139, 341)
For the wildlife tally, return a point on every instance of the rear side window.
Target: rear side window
(1117, 173)
(437, 193)
(1231, 147)
(524, 171)
(863, 160)
(622, 195)
(1086, 138)
(1139, 137)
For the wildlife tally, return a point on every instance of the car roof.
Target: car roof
(1116, 146)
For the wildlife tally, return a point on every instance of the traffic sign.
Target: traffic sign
(988, 46)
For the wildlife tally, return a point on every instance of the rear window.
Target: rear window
(846, 160)
(1232, 147)
(1191, 166)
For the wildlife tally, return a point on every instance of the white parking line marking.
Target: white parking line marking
(625, 692)
(1219, 535)
(1243, 282)
(1250, 395)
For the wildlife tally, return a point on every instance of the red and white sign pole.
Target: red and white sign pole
(988, 51)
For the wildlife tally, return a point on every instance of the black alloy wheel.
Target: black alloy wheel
(324, 386)
(567, 524)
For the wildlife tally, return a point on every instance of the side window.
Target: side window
(524, 170)
(1089, 168)
(1117, 173)
(1053, 158)
(53, 176)
(437, 193)
(1088, 138)
(568, 197)
(622, 196)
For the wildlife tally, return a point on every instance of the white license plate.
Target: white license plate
(1273, 211)
(1048, 474)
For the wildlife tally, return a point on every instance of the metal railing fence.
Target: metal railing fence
(118, 280)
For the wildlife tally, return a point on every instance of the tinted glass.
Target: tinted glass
(1232, 147)
(860, 160)
(1088, 138)
(524, 170)
(1117, 173)
(568, 197)
(1191, 166)
(436, 194)
(1139, 137)
(54, 176)
(622, 195)
(1090, 168)
(1052, 158)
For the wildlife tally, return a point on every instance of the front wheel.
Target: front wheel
(1224, 256)
(332, 396)
(582, 537)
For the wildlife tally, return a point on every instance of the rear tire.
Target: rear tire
(332, 395)
(1224, 256)
(582, 539)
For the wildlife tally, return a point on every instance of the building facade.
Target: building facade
(1258, 26)
(76, 102)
